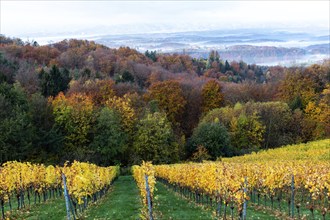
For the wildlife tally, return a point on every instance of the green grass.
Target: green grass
(123, 202)
(169, 205)
(51, 209)
(283, 214)
(252, 213)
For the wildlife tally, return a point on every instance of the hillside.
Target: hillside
(77, 99)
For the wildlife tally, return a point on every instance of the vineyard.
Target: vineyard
(291, 179)
(85, 182)
(291, 182)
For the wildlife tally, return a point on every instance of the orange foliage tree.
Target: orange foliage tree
(169, 97)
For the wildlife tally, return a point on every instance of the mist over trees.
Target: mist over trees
(76, 99)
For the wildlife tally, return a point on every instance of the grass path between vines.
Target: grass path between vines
(123, 202)
(171, 206)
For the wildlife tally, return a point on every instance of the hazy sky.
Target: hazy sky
(22, 18)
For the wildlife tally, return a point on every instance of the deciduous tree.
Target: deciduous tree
(74, 114)
(123, 106)
(214, 137)
(170, 99)
(154, 140)
(246, 133)
(212, 96)
(110, 140)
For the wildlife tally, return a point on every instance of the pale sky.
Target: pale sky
(23, 18)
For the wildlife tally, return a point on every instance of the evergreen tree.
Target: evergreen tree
(54, 81)
(227, 66)
(16, 129)
(151, 55)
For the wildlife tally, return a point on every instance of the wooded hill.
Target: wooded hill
(76, 99)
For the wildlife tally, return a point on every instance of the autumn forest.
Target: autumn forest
(79, 100)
